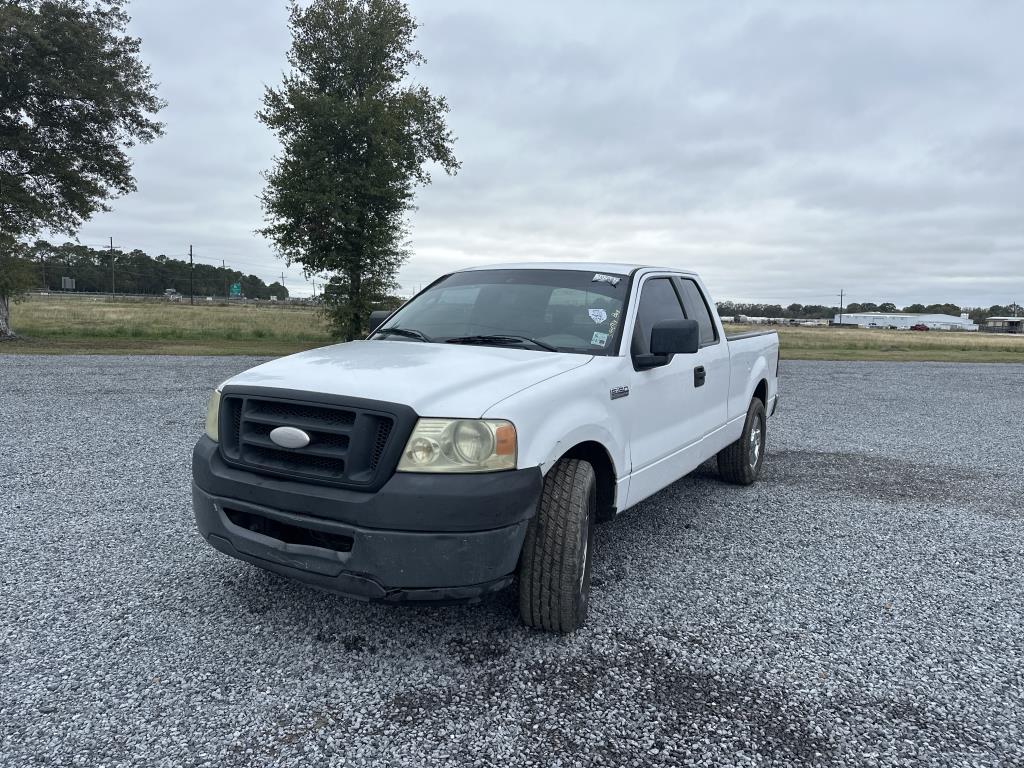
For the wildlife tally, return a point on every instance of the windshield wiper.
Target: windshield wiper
(409, 333)
(500, 339)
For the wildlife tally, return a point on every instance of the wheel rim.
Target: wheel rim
(756, 443)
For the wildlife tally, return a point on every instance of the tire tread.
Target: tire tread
(548, 594)
(732, 460)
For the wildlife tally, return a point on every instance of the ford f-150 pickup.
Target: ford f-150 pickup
(479, 433)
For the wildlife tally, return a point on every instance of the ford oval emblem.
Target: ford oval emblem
(289, 437)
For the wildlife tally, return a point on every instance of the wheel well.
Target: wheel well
(599, 459)
(761, 392)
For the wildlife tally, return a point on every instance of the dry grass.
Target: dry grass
(59, 318)
(59, 325)
(803, 343)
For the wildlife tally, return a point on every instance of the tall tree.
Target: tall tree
(74, 95)
(357, 138)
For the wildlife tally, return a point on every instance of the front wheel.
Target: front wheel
(741, 462)
(554, 570)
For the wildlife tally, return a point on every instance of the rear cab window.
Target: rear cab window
(696, 307)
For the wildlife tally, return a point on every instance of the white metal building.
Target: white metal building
(904, 321)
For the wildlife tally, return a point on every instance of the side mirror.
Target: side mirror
(675, 337)
(377, 318)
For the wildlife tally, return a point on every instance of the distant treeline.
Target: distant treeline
(137, 272)
(810, 311)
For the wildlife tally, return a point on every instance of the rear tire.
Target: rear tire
(554, 570)
(741, 462)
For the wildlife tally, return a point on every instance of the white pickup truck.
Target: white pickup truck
(480, 432)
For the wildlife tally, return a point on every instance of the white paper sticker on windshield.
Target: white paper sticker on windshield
(597, 315)
(610, 279)
(600, 339)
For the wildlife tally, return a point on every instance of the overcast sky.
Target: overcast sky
(786, 151)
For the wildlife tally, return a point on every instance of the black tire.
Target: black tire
(554, 570)
(738, 463)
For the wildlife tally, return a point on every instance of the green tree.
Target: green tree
(74, 94)
(357, 137)
(278, 291)
(943, 309)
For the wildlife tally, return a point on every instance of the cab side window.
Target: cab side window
(658, 301)
(697, 309)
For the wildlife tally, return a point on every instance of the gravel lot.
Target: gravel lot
(863, 604)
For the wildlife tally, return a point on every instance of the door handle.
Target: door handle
(699, 376)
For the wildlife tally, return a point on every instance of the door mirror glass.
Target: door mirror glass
(377, 318)
(675, 337)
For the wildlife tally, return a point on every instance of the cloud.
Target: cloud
(786, 152)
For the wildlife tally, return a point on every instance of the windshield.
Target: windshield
(554, 310)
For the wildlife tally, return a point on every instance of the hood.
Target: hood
(455, 380)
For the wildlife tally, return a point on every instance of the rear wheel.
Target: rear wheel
(554, 570)
(741, 462)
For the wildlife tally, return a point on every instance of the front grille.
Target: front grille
(383, 431)
(348, 445)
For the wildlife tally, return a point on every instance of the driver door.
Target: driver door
(665, 417)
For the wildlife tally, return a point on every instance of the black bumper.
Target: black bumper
(420, 537)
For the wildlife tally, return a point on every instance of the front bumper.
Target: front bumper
(420, 537)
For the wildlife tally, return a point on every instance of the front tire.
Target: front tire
(554, 570)
(741, 462)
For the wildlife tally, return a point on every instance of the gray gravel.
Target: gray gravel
(861, 605)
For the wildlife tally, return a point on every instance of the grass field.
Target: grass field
(52, 325)
(812, 343)
(61, 325)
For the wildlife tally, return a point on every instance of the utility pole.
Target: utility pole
(224, 267)
(191, 268)
(841, 294)
(111, 267)
(282, 279)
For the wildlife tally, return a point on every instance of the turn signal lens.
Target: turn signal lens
(460, 445)
(505, 440)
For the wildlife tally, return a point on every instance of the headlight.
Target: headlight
(460, 445)
(213, 416)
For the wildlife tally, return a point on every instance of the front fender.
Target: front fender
(560, 413)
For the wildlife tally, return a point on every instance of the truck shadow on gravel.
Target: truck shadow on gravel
(590, 708)
(877, 477)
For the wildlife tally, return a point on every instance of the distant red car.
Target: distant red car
(919, 327)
